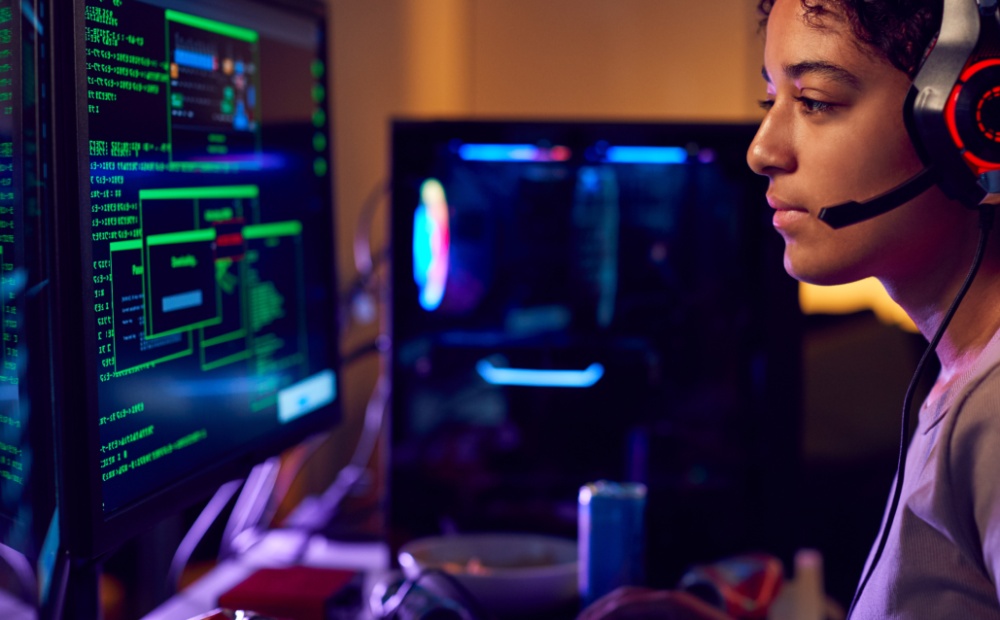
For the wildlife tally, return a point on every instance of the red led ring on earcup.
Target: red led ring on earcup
(988, 114)
(973, 115)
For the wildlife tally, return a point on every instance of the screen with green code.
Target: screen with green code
(26, 477)
(210, 232)
(12, 422)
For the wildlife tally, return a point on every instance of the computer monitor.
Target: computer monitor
(27, 477)
(578, 300)
(195, 295)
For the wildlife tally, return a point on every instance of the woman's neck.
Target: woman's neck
(975, 321)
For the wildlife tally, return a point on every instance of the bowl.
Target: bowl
(507, 573)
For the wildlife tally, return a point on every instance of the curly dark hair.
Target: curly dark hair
(898, 31)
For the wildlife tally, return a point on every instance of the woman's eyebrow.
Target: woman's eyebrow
(820, 67)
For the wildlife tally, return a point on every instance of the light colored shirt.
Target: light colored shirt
(942, 557)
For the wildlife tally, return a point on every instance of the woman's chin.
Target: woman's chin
(820, 274)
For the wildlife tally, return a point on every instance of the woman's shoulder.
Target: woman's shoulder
(973, 421)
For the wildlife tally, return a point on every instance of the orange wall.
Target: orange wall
(635, 58)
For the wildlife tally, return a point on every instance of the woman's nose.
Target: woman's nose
(771, 150)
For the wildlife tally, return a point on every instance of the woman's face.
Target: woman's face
(834, 132)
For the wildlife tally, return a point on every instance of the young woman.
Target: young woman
(837, 74)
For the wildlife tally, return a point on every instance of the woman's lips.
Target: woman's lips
(785, 214)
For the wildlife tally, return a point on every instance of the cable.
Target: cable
(283, 483)
(389, 609)
(359, 301)
(362, 234)
(986, 213)
(249, 508)
(363, 279)
(197, 531)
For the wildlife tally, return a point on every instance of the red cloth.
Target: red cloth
(292, 593)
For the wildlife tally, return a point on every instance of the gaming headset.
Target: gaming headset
(952, 114)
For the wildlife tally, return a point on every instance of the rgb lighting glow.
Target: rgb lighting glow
(527, 377)
(513, 153)
(431, 241)
(646, 155)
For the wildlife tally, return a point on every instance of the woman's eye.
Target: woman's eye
(813, 106)
(766, 104)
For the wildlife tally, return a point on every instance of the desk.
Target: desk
(277, 549)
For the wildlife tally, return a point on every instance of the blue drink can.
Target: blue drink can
(610, 537)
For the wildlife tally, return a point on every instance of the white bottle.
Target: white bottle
(802, 597)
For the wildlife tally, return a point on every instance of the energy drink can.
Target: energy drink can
(611, 537)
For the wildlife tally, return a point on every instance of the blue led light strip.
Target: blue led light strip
(513, 153)
(540, 378)
(646, 155)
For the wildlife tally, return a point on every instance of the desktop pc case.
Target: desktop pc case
(575, 301)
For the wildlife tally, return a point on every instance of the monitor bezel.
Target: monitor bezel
(86, 532)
